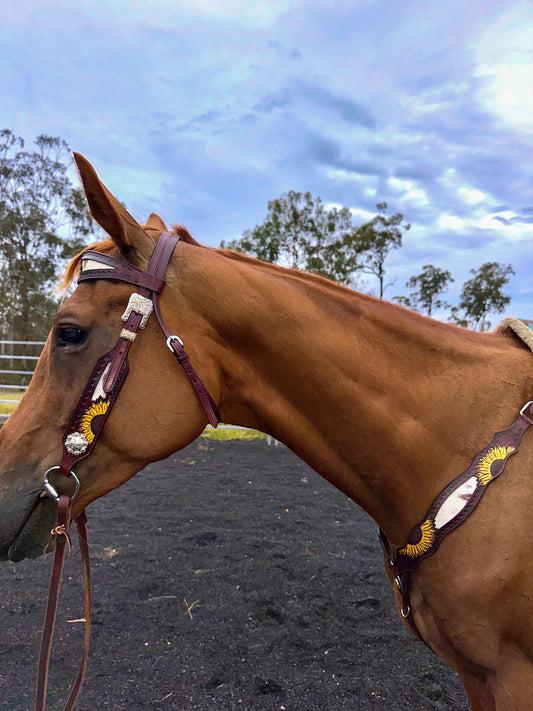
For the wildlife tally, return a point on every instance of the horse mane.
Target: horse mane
(403, 315)
(297, 274)
(107, 246)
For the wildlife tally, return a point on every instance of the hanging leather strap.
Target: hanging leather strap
(175, 345)
(61, 535)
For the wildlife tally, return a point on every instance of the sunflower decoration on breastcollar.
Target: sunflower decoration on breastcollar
(491, 463)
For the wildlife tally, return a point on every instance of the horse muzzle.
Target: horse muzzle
(26, 519)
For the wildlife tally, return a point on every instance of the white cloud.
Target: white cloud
(451, 222)
(471, 196)
(504, 55)
(409, 191)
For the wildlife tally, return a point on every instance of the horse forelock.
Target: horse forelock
(72, 270)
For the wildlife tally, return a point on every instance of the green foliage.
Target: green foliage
(40, 212)
(482, 295)
(375, 239)
(426, 287)
(300, 232)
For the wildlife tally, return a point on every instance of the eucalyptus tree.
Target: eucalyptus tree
(374, 241)
(483, 294)
(300, 232)
(43, 221)
(426, 288)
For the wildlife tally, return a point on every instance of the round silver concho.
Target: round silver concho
(76, 443)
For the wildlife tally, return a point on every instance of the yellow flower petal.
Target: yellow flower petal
(98, 408)
(427, 536)
(498, 453)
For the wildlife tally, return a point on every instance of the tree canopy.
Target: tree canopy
(425, 289)
(299, 232)
(43, 221)
(374, 241)
(482, 295)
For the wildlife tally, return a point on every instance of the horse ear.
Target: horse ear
(155, 224)
(123, 229)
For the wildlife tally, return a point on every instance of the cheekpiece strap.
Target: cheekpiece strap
(108, 375)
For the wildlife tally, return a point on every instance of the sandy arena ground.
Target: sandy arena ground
(230, 576)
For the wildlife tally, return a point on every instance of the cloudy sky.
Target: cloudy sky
(203, 110)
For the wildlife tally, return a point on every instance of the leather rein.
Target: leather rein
(88, 420)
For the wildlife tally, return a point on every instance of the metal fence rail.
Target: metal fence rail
(18, 359)
(13, 374)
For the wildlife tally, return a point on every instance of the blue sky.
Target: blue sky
(203, 110)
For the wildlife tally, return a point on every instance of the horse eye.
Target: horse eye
(70, 336)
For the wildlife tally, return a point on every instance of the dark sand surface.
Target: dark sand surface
(230, 576)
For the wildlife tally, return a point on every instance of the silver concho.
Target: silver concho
(76, 443)
(141, 305)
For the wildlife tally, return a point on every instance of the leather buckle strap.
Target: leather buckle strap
(175, 346)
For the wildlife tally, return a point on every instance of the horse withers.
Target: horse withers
(389, 406)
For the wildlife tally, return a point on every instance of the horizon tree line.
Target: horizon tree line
(44, 220)
(300, 232)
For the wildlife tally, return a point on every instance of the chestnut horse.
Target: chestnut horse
(386, 404)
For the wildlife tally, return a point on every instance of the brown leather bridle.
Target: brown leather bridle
(88, 420)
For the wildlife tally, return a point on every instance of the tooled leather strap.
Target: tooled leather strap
(107, 377)
(152, 281)
(424, 538)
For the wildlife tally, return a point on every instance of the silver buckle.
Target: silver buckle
(173, 338)
(141, 305)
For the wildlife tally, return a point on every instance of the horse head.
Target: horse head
(157, 411)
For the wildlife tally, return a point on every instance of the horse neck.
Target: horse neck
(384, 403)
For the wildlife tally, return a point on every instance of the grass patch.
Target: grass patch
(231, 433)
(7, 408)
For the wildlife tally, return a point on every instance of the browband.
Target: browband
(107, 267)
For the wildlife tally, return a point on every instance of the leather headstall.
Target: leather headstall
(89, 417)
(450, 509)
